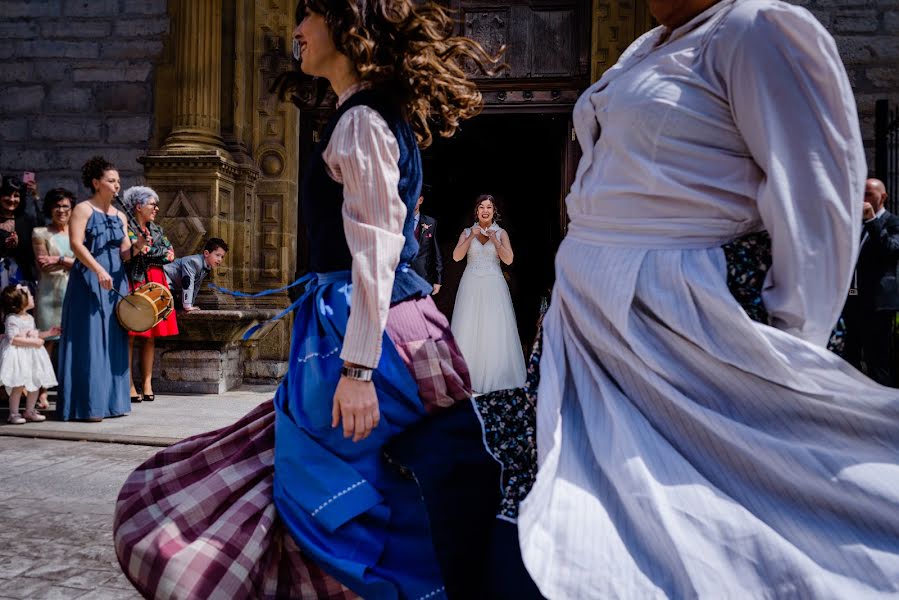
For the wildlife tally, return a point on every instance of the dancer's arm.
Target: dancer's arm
(794, 107)
(363, 154)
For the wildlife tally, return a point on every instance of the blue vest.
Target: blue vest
(322, 199)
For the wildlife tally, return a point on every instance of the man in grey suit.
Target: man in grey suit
(187, 273)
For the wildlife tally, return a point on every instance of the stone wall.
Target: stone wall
(77, 80)
(867, 35)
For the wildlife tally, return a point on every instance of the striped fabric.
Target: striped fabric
(363, 155)
(197, 520)
(687, 451)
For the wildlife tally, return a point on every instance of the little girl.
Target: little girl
(24, 362)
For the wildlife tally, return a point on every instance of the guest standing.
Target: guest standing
(93, 356)
(16, 255)
(873, 300)
(483, 317)
(54, 258)
(24, 363)
(143, 267)
(428, 262)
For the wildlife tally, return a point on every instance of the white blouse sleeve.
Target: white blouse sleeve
(793, 104)
(363, 154)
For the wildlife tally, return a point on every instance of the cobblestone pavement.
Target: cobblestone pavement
(56, 506)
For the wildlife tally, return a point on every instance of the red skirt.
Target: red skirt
(169, 325)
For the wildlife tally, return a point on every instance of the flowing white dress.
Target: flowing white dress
(686, 451)
(20, 365)
(484, 321)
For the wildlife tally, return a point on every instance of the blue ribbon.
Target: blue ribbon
(308, 278)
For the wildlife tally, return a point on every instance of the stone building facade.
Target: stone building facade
(175, 93)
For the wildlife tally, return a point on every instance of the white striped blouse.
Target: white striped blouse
(363, 155)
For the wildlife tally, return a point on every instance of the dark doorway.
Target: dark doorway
(520, 160)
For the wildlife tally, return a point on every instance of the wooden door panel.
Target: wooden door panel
(545, 39)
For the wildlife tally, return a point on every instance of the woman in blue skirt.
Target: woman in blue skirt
(199, 519)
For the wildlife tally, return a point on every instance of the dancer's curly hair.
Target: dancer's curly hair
(94, 169)
(407, 49)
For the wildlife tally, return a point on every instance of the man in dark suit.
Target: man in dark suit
(874, 293)
(428, 263)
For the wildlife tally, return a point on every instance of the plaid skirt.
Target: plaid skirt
(198, 519)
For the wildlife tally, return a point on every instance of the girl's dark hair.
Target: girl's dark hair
(481, 198)
(54, 197)
(13, 299)
(94, 169)
(407, 49)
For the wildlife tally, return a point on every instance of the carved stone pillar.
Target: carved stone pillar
(198, 56)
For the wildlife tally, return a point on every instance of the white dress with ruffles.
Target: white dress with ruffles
(23, 366)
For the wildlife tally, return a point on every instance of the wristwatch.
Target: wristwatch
(357, 373)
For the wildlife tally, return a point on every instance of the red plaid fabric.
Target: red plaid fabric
(422, 337)
(197, 521)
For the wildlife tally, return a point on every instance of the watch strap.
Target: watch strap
(357, 373)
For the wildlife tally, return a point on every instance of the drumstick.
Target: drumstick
(125, 298)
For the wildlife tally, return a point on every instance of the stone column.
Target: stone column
(198, 76)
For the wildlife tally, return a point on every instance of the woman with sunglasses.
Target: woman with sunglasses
(146, 267)
(54, 257)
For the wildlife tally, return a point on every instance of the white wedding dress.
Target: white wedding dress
(484, 321)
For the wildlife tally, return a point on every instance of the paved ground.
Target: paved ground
(159, 423)
(57, 493)
(56, 502)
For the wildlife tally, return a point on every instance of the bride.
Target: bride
(483, 317)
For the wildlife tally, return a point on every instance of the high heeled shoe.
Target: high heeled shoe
(136, 399)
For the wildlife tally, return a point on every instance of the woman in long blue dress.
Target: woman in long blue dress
(93, 354)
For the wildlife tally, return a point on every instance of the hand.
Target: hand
(53, 331)
(436, 289)
(191, 308)
(105, 280)
(867, 211)
(491, 236)
(13, 240)
(45, 261)
(356, 404)
(141, 242)
(31, 186)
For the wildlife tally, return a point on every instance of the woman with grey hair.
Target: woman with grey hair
(144, 267)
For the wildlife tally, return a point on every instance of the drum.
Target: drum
(146, 306)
